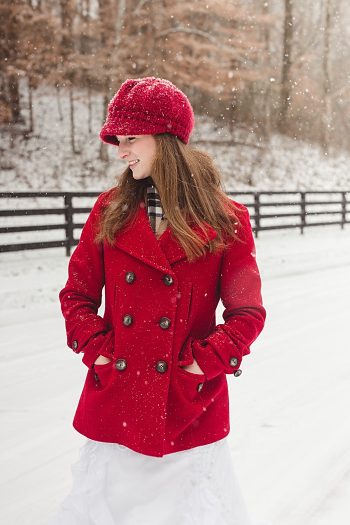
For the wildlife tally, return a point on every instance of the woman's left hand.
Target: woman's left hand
(194, 368)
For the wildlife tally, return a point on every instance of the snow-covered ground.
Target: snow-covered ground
(289, 430)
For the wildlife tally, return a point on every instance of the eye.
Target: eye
(130, 139)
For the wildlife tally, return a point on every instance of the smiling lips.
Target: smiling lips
(133, 163)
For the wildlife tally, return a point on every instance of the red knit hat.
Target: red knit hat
(148, 106)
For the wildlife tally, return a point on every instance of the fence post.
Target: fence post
(69, 223)
(257, 212)
(343, 211)
(302, 211)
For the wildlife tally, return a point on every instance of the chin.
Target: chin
(138, 176)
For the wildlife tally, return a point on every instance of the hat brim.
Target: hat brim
(129, 126)
(109, 131)
(108, 136)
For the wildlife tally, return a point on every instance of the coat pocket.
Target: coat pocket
(102, 373)
(190, 384)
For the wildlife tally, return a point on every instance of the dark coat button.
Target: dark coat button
(164, 322)
(233, 361)
(168, 280)
(120, 364)
(130, 277)
(127, 320)
(161, 367)
(237, 372)
(200, 386)
(75, 345)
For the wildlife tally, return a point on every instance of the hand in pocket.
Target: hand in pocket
(194, 368)
(102, 360)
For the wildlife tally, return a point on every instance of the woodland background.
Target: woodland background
(260, 76)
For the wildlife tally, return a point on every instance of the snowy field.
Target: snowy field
(290, 433)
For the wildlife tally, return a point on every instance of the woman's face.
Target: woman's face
(139, 152)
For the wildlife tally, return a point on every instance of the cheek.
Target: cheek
(150, 156)
(151, 149)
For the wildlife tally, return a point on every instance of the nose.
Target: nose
(122, 151)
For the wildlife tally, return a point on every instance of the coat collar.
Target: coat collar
(139, 240)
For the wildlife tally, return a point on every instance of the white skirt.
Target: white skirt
(114, 485)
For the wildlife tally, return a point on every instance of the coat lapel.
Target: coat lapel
(139, 240)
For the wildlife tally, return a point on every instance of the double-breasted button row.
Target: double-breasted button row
(161, 366)
(164, 322)
(130, 278)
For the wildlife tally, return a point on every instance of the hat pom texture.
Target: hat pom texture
(148, 106)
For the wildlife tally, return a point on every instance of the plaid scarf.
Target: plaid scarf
(154, 207)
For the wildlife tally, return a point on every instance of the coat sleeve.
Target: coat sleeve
(244, 314)
(80, 299)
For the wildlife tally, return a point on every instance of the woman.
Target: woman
(166, 244)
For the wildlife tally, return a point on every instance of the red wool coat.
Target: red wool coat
(159, 313)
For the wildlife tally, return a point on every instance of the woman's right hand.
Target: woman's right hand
(102, 360)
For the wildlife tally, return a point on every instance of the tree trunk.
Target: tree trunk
(120, 22)
(103, 146)
(30, 104)
(72, 122)
(266, 119)
(59, 106)
(14, 99)
(326, 114)
(285, 93)
(89, 108)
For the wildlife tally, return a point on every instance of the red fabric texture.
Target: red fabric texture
(148, 106)
(150, 411)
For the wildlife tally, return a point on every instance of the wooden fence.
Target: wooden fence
(269, 210)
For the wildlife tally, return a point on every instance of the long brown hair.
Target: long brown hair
(189, 187)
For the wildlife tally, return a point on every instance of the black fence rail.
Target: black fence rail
(269, 210)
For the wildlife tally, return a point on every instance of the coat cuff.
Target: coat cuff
(208, 360)
(212, 366)
(103, 344)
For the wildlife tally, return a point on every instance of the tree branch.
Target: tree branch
(207, 36)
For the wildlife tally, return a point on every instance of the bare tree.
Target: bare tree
(10, 54)
(326, 100)
(26, 50)
(287, 45)
(67, 54)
